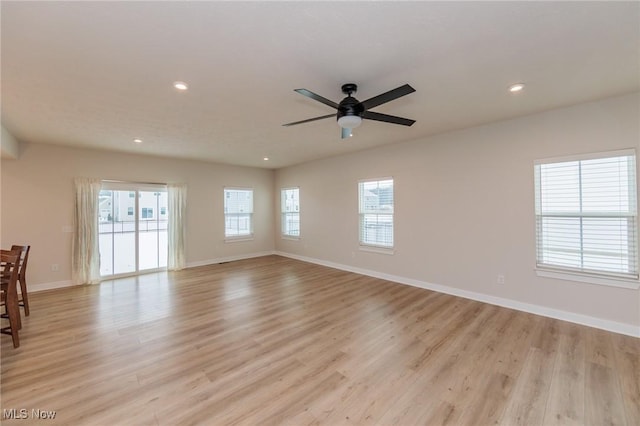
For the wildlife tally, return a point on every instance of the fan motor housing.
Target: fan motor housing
(349, 106)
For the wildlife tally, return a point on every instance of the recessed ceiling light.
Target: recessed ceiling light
(180, 85)
(137, 140)
(266, 158)
(516, 87)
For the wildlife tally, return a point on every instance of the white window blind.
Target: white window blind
(586, 214)
(238, 212)
(290, 210)
(376, 212)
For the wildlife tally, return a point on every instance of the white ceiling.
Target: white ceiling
(99, 74)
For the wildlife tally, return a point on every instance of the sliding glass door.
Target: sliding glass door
(133, 228)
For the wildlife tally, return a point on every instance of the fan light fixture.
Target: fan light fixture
(349, 121)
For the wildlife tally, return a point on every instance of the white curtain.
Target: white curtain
(177, 200)
(85, 264)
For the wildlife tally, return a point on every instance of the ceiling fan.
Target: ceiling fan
(351, 111)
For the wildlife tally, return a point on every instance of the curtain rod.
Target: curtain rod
(139, 183)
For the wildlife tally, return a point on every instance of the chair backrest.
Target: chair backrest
(10, 264)
(24, 257)
(10, 261)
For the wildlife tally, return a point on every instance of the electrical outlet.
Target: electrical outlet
(500, 279)
(55, 267)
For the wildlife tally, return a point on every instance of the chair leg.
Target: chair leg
(25, 297)
(14, 321)
(7, 315)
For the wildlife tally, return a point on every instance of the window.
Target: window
(163, 211)
(586, 214)
(129, 211)
(290, 207)
(376, 212)
(147, 213)
(238, 212)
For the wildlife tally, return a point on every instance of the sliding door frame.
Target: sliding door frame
(136, 187)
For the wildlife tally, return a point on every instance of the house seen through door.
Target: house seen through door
(132, 228)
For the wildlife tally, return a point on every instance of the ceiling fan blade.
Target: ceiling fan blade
(318, 98)
(346, 133)
(387, 118)
(387, 97)
(308, 120)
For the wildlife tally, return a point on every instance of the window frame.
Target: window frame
(368, 246)
(601, 277)
(284, 214)
(243, 237)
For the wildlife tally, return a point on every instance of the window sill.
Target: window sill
(238, 239)
(290, 237)
(590, 279)
(375, 249)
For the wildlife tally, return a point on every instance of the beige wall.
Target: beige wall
(464, 206)
(37, 202)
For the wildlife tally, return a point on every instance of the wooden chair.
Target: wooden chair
(10, 265)
(22, 276)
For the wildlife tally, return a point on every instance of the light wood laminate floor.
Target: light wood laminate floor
(277, 341)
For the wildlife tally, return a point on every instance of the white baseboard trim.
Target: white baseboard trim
(229, 258)
(608, 325)
(49, 286)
